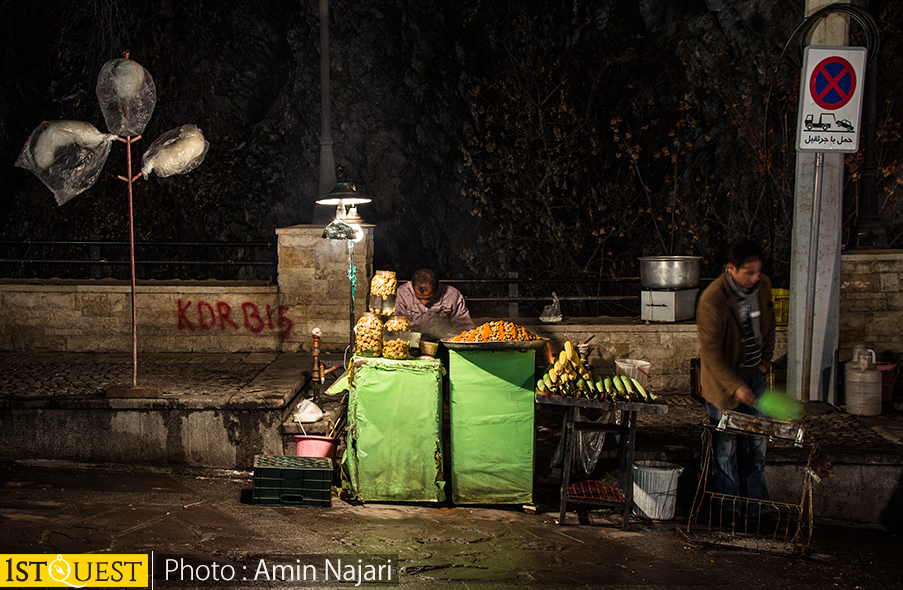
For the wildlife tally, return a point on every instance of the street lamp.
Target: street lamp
(346, 226)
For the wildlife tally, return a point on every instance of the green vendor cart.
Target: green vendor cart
(491, 430)
(394, 447)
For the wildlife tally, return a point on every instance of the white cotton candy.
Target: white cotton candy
(177, 151)
(127, 78)
(127, 96)
(57, 134)
(67, 156)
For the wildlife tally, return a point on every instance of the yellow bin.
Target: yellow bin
(781, 300)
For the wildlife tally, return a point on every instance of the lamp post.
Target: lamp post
(327, 159)
(346, 226)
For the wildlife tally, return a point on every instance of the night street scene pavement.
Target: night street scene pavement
(199, 528)
(205, 520)
(394, 294)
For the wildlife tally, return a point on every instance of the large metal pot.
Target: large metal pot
(669, 272)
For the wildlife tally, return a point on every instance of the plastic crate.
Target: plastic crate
(781, 300)
(286, 480)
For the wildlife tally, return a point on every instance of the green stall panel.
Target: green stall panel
(491, 426)
(394, 448)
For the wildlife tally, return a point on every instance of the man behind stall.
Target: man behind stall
(436, 311)
(736, 331)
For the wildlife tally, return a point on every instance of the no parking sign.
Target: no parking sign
(831, 99)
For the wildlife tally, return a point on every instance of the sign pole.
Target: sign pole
(808, 343)
(829, 114)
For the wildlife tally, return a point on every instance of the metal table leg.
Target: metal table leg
(626, 459)
(569, 448)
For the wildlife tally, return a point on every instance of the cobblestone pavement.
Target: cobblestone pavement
(84, 374)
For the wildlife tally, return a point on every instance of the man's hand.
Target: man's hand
(745, 395)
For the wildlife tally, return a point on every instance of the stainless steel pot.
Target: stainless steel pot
(669, 272)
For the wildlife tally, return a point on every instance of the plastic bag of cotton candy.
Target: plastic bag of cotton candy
(67, 156)
(127, 96)
(177, 151)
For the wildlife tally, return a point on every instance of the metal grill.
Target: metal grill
(595, 490)
(781, 527)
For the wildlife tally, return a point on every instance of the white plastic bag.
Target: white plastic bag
(551, 313)
(307, 412)
(67, 156)
(178, 151)
(127, 96)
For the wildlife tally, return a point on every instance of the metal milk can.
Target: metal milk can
(863, 385)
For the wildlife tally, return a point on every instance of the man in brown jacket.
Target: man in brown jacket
(735, 326)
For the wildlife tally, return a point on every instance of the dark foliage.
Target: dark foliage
(555, 140)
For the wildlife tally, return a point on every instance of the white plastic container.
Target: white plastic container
(639, 370)
(655, 489)
(863, 386)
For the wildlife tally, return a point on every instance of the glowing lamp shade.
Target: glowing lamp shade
(344, 196)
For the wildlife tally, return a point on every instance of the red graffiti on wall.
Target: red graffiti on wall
(205, 316)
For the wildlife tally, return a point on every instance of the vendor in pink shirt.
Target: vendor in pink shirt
(437, 311)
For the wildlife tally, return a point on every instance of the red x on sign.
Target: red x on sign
(832, 83)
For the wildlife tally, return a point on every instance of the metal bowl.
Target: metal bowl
(669, 272)
(497, 345)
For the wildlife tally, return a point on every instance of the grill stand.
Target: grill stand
(791, 530)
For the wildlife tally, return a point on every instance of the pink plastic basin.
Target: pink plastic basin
(315, 446)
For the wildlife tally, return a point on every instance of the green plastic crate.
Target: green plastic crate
(286, 480)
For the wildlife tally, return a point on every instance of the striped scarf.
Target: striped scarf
(750, 315)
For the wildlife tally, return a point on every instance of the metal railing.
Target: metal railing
(517, 297)
(511, 296)
(103, 258)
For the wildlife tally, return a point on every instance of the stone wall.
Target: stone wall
(313, 291)
(71, 316)
(314, 284)
(871, 304)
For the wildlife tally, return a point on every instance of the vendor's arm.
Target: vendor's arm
(404, 301)
(722, 382)
(460, 315)
(745, 396)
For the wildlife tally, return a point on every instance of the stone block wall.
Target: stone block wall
(313, 281)
(69, 316)
(871, 304)
(313, 291)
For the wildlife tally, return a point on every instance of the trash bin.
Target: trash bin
(780, 298)
(655, 489)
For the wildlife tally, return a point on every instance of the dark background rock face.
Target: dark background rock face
(556, 140)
